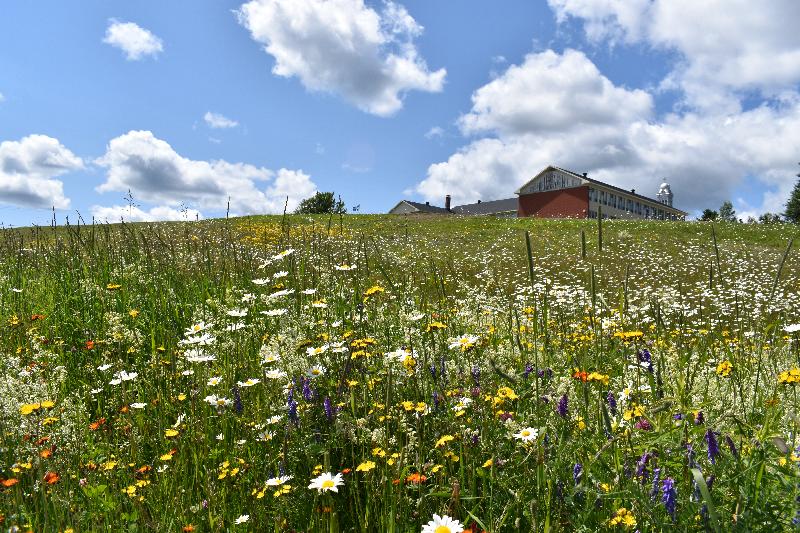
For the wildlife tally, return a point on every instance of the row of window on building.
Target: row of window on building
(629, 205)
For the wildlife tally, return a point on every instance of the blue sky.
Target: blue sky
(380, 101)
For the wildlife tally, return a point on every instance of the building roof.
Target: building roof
(488, 208)
(604, 184)
(422, 208)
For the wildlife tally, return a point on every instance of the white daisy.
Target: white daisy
(280, 480)
(237, 313)
(281, 274)
(527, 434)
(275, 312)
(249, 383)
(275, 374)
(139, 405)
(442, 524)
(327, 481)
(309, 291)
(242, 519)
(214, 381)
(316, 371)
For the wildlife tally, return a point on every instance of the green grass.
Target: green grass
(545, 340)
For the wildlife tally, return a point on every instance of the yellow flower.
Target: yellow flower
(444, 440)
(133, 313)
(113, 286)
(435, 325)
(489, 462)
(375, 289)
(166, 457)
(724, 369)
(29, 408)
(366, 466)
(171, 433)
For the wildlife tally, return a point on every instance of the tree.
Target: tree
(726, 212)
(709, 214)
(769, 218)
(792, 213)
(321, 203)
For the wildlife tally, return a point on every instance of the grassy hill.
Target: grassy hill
(195, 375)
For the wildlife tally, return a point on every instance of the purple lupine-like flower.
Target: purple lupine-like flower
(474, 439)
(577, 472)
(713, 446)
(677, 416)
(237, 400)
(476, 376)
(690, 456)
(326, 405)
(612, 403)
(731, 446)
(641, 466)
(432, 370)
(563, 406)
(656, 483)
(669, 496)
(435, 401)
(308, 393)
(699, 418)
(645, 357)
(527, 371)
(292, 405)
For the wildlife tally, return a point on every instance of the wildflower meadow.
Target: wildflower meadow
(399, 374)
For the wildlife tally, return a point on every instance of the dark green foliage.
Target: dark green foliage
(726, 212)
(792, 213)
(709, 214)
(321, 203)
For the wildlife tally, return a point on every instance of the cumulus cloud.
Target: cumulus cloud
(2, 97)
(726, 47)
(610, 132)
(135, 41)
(28, 168)
(156, 173)
(344, 47)
(217, 121)
(118, 213)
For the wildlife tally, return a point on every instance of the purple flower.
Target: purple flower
(669, 496)
(731, 446)
(237, 400)
(641, 466)
(432, 370)
(577, 472)
(713, 446)
(528, 370)
(677, 416)
(643, 424)
(645, 357)
(656, 483)
(476, 376)
(612, 403)
(326, 405)
(563, 406)
(699, 418)
(435, 401)
(308, 393)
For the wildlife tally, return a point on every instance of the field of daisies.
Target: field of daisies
(377, 373)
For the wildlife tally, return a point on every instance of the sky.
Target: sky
(189, 109)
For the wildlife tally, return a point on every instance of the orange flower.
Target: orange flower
(347, 470)
(188, 528)
(416, 478)
(143, 470)
(37, 316)
(51, 478)
(94, 426)
(124, 409)
(10, 482)
(42, 441)
(90, 345)
(582, 375)
(46, 453)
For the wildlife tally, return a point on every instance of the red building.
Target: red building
(558, 193)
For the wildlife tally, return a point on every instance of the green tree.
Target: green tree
(769, 218)
(321, 203)
(792, 213)
(726, 212)
(709, 214)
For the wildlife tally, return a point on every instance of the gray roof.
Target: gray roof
(425, 208)
(488, 208)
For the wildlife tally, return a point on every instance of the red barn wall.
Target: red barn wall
(563, 203)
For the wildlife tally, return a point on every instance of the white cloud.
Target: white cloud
(610, 132)
(154, 172)
(117, 213)
(28, 168)
(217, 120)
(2, 97)
(344, 47)
(434, 132)
(727, 47)
(132, 39)
(550, 91)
